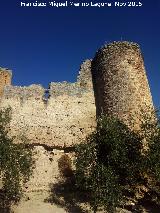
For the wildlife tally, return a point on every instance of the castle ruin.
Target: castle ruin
(67, 114)
(62, 119)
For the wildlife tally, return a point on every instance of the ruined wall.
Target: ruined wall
(61, 119)
(120, 82)
(65, 114)
(5, 79)
(55, 119)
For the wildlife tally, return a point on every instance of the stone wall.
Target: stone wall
(61, 116)
(65, 113)
(55, 119)
(5, 79)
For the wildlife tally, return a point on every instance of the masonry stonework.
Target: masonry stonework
(63, 118)
(5, 79)
(113, 83)
(63, 115)
(120, 83)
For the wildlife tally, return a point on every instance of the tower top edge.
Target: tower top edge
(121, 44)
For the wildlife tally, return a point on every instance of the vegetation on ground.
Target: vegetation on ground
(117, 166)
(15, 161)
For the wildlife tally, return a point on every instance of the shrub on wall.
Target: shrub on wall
(112, 166)
(15, 160)
(65, 166)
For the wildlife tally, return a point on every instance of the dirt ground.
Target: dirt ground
(40, 202)
(35, 203)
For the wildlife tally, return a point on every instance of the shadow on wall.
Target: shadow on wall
(65, 195)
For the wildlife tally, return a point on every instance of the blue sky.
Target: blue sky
(47, 44)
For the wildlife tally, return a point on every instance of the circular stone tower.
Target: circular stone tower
(120, 83)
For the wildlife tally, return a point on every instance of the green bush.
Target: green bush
(153, 161)
(15, 160)
(112, 164)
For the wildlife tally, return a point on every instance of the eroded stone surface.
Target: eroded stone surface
(63, 118)
(5, 78)
(65, 114)
(120, 82)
